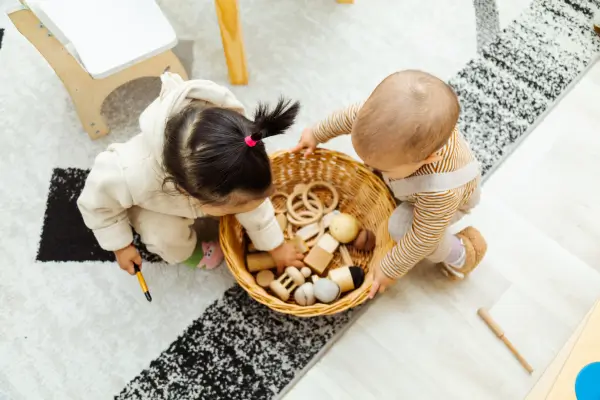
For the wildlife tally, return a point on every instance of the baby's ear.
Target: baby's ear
(433, 158)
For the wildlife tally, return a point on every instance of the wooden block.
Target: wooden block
(318, 259)
(328, 243)
(308, 231)
(260, 261)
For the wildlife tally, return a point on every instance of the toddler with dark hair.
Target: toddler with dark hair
(197, 155)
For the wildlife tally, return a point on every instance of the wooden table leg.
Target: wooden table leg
(233, 44)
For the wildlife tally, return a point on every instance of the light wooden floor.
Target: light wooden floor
(540, 214)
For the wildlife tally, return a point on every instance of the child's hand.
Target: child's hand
(126, 257)
(307, 141)
(286, 256)
(380, 282)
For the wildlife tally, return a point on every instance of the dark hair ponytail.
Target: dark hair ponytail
(206, 153)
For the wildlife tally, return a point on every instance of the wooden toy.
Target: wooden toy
(326, 290)
(365, 241)
(305, 295)
(347, 278)
(346, 258)
(303, 218)
(263, 260)
(344, 228)
(282, 221)
(328, 243)
(286, 283)
(320, 256)
(305, 271)
(264, 278)
(260, 261)
(326, 221)
(487, 318)
(306, 193)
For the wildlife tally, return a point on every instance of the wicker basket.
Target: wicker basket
(362, 194)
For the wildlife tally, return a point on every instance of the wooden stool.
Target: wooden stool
(94, 76)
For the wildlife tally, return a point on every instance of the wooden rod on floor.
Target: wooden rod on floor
(487, 318)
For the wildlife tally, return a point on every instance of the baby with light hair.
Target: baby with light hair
(406, 130)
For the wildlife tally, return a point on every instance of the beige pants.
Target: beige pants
(402, 218)
(169, 236)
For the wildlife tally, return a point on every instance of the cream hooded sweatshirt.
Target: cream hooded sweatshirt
(130, 174)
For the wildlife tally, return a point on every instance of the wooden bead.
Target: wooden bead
(305, 271)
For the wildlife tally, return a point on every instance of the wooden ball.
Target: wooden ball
(305, 271)
(365, 241)
(264, 278)
(326, 290)
(344, 228)
(305, 295)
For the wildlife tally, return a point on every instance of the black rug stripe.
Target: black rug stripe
(1, 36)
(237, 349)
(64, 236)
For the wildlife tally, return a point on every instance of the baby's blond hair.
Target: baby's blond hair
(408, 117)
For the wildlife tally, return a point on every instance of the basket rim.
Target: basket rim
(350, 300)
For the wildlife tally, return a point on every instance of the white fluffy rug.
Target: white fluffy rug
(82, 329)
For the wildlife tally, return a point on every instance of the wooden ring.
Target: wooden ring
(326, 185)
(279, 194)
(306, 218)
(316, 212)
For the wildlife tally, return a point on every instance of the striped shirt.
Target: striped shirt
(433, 211)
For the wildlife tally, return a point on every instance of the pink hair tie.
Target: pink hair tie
(251, 142)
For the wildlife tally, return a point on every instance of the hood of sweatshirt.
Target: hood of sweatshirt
(175, 94)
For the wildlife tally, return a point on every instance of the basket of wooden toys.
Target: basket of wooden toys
(335, 211)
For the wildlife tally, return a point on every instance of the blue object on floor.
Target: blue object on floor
(587, 384)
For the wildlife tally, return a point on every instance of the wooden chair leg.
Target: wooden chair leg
(233, 43)
(87, 93)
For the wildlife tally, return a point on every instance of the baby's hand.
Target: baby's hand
(286, 256)
(380, 282)
(126, 257)
(307, 141)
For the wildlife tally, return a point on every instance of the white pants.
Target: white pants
(169, 236)
(401, 220)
